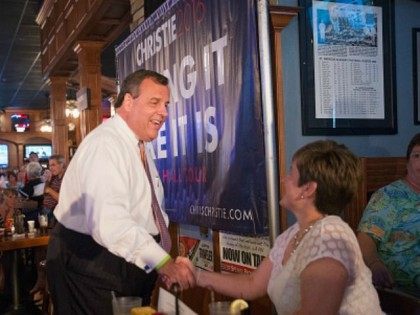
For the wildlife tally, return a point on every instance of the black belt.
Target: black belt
(62, 230)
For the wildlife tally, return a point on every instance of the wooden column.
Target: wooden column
(58, 116)
(280, 17)
(20, 154)
(89, 58)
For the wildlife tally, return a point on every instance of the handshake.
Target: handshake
(180, 271)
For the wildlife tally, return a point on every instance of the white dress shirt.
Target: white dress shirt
(105, 193)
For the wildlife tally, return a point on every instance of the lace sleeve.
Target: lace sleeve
(333, 239)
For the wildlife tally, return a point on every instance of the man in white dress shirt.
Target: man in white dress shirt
(106, 238)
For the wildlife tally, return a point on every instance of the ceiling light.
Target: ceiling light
(46, 126)
(71, 109)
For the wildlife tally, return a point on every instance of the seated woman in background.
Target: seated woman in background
(316, 265)
(7, 207)
(12, 181)
(389, 231)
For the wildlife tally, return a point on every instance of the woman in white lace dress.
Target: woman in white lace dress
(316, 265)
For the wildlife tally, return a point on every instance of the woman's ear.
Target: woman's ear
(311, 188)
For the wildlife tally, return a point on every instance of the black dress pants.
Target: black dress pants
(81, 275)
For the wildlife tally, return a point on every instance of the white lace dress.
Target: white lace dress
(330, 237)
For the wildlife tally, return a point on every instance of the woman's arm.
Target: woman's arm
(322, 286)
(380, 274)
(245, 286)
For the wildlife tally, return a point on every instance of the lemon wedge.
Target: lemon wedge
(143, 310)
(237, 306)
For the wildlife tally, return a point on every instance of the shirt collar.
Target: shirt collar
(123, 127)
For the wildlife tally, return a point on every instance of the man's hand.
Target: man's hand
(186, 262)
(179, 273)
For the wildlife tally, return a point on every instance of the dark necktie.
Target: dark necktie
(165, 238)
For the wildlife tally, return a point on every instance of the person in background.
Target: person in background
(389, 231)
(7, 209)
(45, 174)
(3, 179)
(21, 175)
(56, 165)
(106, 237)
(33, 157)
(315, 266)
(33, 190)
(12, 181)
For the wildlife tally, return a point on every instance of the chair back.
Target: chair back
(394, 301)
(377, 172)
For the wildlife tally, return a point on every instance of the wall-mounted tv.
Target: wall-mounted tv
(4, 155)
(44, 151)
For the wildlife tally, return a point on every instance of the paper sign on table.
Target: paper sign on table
(166, 304)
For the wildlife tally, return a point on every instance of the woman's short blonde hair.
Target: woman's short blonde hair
(334, 168)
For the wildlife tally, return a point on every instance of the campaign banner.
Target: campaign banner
(241, 254)
(210, 151)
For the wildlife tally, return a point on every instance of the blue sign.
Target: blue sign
(210, 152)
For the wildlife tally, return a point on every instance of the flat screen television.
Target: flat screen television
(4, 155)
(44, 151)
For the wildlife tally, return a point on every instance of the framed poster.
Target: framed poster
(416, 74)
(347, 67)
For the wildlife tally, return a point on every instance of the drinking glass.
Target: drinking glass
(122, 305)
(221, 308)
(43, 223)
(31, 226)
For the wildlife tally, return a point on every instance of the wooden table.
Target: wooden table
(14, 244)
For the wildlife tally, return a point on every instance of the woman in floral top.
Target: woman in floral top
(389, 230)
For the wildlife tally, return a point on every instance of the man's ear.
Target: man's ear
(127, 102)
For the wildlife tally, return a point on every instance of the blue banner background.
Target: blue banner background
(210, 152)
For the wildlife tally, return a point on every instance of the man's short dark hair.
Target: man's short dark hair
(132, 82)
